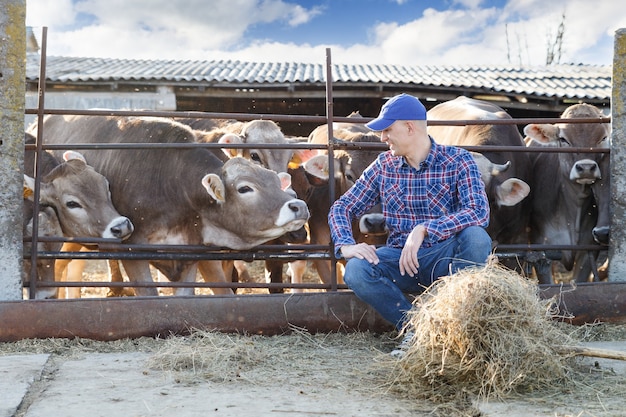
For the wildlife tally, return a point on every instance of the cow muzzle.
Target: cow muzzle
(119, 228)
(601, 234)
(585, 171)
(373, 224)
(293, 215)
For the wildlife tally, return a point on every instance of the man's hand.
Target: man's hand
(361, 251)
(408, 257)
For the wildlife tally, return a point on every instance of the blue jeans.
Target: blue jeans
(382, 287)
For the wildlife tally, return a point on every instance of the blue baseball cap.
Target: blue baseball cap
(400, 107)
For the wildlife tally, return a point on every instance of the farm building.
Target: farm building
(291, 88)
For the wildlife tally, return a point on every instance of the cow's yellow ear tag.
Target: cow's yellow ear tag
(28, 192)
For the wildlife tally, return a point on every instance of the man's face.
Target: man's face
(397, 138)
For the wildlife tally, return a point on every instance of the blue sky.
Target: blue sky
(400, 32)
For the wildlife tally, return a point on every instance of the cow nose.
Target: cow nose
(375, 224)
(586, 168)
(122, 229)
(601, 234)
(299, 208)
(585, 171)
(372, 223)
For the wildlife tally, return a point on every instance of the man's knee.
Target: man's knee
(354, 269)
(477, 240)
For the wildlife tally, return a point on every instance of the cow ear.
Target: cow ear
(230, 139)
(215, 187)
(544, 134)
(300, 156)
(69, 155)
(285, 180)
(29, 188)
(511, 192)
(318, 166)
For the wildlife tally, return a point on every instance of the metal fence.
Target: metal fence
(111, 249)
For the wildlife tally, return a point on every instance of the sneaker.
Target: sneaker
(404, 345)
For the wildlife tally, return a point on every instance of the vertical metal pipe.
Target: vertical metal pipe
(331, 158)
(41, 90)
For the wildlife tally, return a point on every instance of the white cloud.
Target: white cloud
(300, 15)
(47, 13)
(423, 38)
(197, 29)
(159, 28)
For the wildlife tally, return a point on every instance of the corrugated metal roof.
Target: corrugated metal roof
(565, 81)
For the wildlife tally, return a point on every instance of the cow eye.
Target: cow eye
(73, 205)
(563, 141)
(255, 157)
(350, 175)
(244, 189)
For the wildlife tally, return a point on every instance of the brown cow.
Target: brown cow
(74, 202)
(48, 226)
(232, 132)
(180, 195)
(570, 203)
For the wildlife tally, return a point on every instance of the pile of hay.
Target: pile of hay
(482, 332)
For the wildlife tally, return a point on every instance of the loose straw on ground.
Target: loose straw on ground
(482, 332)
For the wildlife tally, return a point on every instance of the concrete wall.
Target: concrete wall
(12, 90)
(617, 250)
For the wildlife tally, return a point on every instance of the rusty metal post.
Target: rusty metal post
(617, 249)
(12, 97)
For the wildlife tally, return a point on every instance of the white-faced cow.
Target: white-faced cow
(570, 190)
(180, 195)
(74, 202)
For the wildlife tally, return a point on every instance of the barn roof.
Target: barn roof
(567, 81)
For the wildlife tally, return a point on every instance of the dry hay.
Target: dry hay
(485, 333)
(329, 359)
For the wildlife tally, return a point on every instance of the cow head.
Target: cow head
(261, 132)
(81, 200)
(252, 206)
(509, 192)
(318, 170)
(370, 228)
(566, 135)
(355, 160)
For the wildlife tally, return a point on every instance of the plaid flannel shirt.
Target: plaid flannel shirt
(446, 195)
